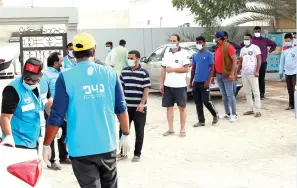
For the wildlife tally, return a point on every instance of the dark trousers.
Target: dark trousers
(96, 171)
(139, 119)
(262, 74)
(202, 96)
(291, 82)
(63, 154)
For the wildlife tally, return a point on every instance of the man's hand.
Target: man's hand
(206, 84)
(281, 75)
(191, 85)
(169, 69)
(231, 77)
(8, 141)
(212, 80)
(162, 88)
(47, 153)
(59, 134)
(125, 144)
(140, 108)
(257, 74)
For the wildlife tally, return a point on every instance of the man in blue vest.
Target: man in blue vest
(54, 64)
(69, 60)
(23, 103)
(89, 95)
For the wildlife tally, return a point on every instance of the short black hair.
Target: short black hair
(201, 38)
(110, 43)
(52, 58)
(135, 52)
(69, 44)
(226, 34)
(257, 28)
(294, 33)
(248, 35)
(177, 36)
(288, 36)
(122, 42)
(83, 54)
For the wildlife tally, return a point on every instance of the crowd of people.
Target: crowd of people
(75, 100)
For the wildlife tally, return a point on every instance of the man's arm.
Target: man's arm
(10, 100)
(271, 44)
(258, 63)
(58, 111)
(121, 108)
(239, 66)
(146, 84)
(282, 63)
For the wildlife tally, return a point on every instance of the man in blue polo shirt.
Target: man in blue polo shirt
(69, 60)
(136, 83)
(202, 66)
(89, 95)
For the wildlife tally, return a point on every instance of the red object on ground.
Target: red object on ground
(28, 171)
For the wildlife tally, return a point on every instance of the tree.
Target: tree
(208, 12)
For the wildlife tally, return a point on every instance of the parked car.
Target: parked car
(9, 59)
(154, 61)
(21, 168)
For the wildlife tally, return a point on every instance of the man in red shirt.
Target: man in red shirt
(225, 70)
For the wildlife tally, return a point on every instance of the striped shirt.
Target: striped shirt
(134, 83)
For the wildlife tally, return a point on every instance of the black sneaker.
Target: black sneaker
(215, 119)
(199, 124)
(262, 97)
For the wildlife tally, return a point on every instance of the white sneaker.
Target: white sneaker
(233, 118)
(225, 117)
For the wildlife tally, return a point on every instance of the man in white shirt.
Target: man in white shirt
(111, 57)
(173, 86)
(250, 63)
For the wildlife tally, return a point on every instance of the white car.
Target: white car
(9, 59)
(153, 65)
(20, 168)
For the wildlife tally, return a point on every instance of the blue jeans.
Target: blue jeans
(235, 87)
(228, 94)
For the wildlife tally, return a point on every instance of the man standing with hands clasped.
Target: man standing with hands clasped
(173, 86)
(89, 95)
(202, 67)
(136, 84)
(250, 63)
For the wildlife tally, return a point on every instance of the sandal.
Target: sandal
(168, 133)
(289, 108)
(182, 134)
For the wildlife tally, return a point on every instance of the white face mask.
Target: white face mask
(70, 53)
(257, 34)
(199, 46)
(29, 87)
(131, 63)
(173, 46)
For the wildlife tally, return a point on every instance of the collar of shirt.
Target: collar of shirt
(179, 49)
(51, 69)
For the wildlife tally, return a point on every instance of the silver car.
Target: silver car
(153, 64)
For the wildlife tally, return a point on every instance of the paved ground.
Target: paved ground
(250, 153)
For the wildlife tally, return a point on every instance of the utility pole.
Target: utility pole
(161, 18)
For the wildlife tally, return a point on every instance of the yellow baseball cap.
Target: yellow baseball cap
(83, 41)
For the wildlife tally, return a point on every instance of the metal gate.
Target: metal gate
(41, 43)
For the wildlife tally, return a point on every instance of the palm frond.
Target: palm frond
(251, 18)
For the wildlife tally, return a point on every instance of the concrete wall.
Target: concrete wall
(145, 40)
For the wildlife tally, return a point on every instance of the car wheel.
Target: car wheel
(237, 91)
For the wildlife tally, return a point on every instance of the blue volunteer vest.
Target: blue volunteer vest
(67, 63)
(90, 114)
(25, 122)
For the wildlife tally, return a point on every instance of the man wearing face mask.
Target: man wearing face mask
(288, 66)
(69, 60)
(54, 64)
(263, 44)
(136, 98)
(173, 84)
(23, 103)
(111, 57)
(202, 67)
(89, 95)
(250, 62)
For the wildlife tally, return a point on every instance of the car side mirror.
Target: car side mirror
(143, 59)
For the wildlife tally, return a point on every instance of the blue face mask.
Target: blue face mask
(173, 46)
(288, 43)
(108, 49)
(29, 87)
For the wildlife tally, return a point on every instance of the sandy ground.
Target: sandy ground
(251, 153)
